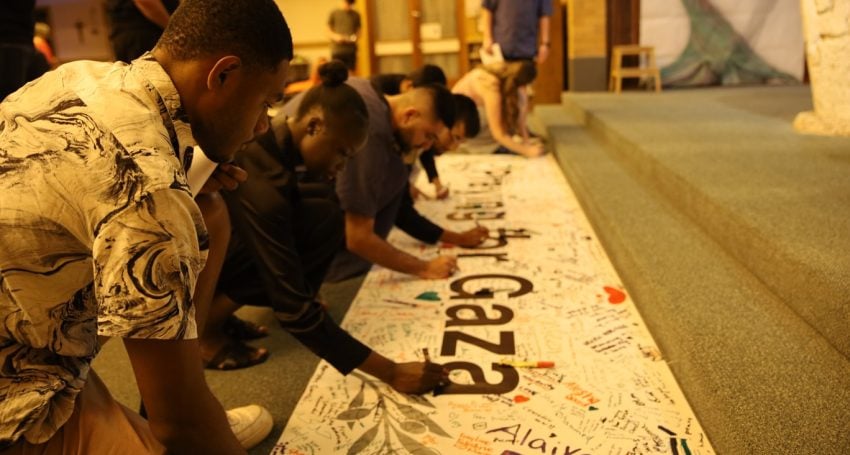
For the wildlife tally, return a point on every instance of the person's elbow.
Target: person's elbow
(357, 239)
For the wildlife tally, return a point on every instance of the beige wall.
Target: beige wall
(308, 21)
(88, 41)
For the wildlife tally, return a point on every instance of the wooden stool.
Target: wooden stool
(618, 72)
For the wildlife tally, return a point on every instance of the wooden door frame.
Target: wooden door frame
(550, 75)
(415, 23)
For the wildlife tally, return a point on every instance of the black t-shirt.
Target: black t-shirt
(388, 84)
(123, 14)
(17, 23)
(255, 207)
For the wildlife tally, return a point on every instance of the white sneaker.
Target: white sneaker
(251, 424)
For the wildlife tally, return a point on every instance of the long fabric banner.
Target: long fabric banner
(724, 42)
(547, 351)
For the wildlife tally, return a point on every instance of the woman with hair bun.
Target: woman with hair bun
(283, 240)
(499, 92)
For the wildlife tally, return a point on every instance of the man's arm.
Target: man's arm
(183, 413)
(361, 239)
(487, 30)
(409, 377)
(317, 331)
(543, 50)
(154, 10)
(421, 228)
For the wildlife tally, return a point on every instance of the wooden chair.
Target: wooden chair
(645, 54)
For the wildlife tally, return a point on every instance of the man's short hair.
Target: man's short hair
(467, 112)
(444, 104)
(253, 30)
(428, 74)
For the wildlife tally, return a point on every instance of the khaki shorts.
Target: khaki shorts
(99, 426)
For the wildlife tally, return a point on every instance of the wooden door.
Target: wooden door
(405, 34)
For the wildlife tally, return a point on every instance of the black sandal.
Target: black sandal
(241, 329)
(235, 355)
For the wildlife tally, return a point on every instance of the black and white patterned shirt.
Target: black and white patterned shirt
(99, 234)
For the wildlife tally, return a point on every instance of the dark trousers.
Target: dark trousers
(280, 250)
(19, 64)
(346, 53)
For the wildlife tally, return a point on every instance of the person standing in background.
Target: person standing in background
(516, 25)
(19, 61)
(137, 25)
(343, 30)
(41, 41)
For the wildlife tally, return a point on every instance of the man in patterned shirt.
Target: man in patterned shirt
(100, 235)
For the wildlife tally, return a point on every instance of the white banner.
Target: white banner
(540, 290)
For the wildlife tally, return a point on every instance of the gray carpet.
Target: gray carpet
(725, 224)
(276, 384)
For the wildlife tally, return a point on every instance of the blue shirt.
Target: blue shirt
(516, 25)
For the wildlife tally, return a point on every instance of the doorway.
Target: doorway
(406, 34)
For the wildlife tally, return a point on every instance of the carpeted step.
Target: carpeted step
(777, 201)
(758, 376)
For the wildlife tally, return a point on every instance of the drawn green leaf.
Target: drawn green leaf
(354, 414)
(410, 412)
(363, 441)
(436, 428)
(358, 399)
(413, 446)
(421, 401)
(414, 414)
(412, 426)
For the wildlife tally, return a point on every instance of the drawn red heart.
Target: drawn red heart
(615, 295)
(521, 399)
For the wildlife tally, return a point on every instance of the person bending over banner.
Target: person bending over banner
(102, 237)
(284, 238)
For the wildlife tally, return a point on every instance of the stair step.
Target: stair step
(759, 377)
(777, 201)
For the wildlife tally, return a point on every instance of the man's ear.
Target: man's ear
(222, 70)
(315, 125)
(409, 114)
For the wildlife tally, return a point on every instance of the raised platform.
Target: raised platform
(729, 228)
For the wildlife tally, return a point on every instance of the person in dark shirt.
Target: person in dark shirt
(397, 83)
(516, 26)
(409, 220)
(136, 25)
(19, 60)
(371, 187)
(343, 30)
(284, 238)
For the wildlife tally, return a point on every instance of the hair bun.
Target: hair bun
(333, 73)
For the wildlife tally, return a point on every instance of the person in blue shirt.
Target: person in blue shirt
(516, 26)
